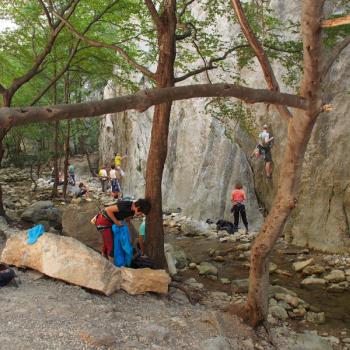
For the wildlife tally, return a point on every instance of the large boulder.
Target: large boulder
(63, 258)
(42, 211)
(76, 223)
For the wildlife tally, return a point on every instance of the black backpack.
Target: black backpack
(141, 262)
(6, 275)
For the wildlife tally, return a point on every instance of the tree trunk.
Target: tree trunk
(66, 157)
(159, 137)
(299, 131)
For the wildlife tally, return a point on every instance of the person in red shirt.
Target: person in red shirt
(238, 197)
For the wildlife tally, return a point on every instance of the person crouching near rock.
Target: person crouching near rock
(114, 214)
(238, 197)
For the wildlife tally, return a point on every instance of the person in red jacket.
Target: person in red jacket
(238, 198)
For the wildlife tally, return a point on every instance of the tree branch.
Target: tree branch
(115, 48)
(183, 10)
(334, 22)
(17, 83)
(154, 13)
(47, 14)
(143, 100)
(260, 54)
(2, 89)
(336, 51)
(210, 64)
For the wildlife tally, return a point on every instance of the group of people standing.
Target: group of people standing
(238, 195)
(114, 175)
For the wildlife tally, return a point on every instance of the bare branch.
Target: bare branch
(115, 48)
(210, 64)
(47, 14)
(336, 51)
(260, 54)
(183, 10)
(35, 69)
(334, 22)
(144, 99)
(154, 13)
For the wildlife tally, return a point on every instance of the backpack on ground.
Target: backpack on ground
(141, 262)
(6, 275)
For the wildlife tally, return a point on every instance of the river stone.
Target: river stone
(63, 258)
(76, 223)
(195, 228)
(278, 312)
(313, 283)
(272, 267)
(316, 318)
(139, 281)
(338, 287)
(285, 305)
(278, 289)
(243, 246)
(206, 268)
(313, 269)
(240, 285)
(294, 301)
(308, 341)
(335, 276)
(299, 265)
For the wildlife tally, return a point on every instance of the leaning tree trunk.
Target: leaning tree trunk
(299, 132)
(159, 136)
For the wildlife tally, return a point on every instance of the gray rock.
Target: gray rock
(42, 211)
(278, 312)
(195, 228)
(313, 283)
(206, 268)
(313, 269)
(338, 287)
(240, 285)
(335, 276)
(309, 341)
(278, 289)
(316, 318)
(217, 343)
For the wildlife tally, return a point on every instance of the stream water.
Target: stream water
(335, 305)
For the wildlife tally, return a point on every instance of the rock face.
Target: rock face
(63, 258)
(202, 166)
(76, 224)
(203, 162)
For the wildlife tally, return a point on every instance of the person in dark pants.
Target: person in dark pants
(238, 198)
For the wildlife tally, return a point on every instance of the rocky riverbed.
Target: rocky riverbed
(309, 292)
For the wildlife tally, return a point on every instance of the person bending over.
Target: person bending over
(114, 214)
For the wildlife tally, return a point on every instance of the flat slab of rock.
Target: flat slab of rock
(139, 281)
(63, 258)
(313, 283)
